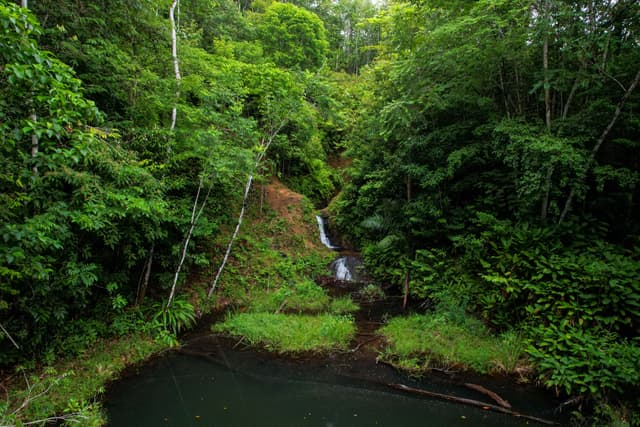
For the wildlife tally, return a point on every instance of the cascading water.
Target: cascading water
(345, 267)
(341, 270)
(324, 237)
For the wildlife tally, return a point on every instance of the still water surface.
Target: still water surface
(181, 390)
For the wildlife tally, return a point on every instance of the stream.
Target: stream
(214, 381)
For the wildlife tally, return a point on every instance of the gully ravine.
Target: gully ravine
(215, 381)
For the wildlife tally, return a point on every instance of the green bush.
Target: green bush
(578, 360)
(168, 321)
(371, 293)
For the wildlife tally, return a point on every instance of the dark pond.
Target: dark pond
(235, 388)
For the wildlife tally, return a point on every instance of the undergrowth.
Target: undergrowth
(73, 386)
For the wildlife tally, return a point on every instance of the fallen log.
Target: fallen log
(499, 400)
(470, 402)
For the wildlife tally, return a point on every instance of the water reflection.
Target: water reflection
(183, 391)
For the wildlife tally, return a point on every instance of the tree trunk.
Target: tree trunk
(504, 93)
(603, 136)
(245, 198)
(547, 190)
(518, 98)
(192, 225)
(9, 336)
(547, 88)
(142, 291)
(176, 64)
(406, 290)
(35, 145)
(265, 147)
(572, 93)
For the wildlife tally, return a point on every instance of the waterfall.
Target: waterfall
(324, 238)
(341, 269)
(345, 267)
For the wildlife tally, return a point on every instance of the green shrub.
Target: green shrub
(168, 321)
(371, 293)
(580, 361)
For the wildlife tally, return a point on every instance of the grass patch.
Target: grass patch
(291, 333)
(343, 305)
(73, 385)
(306, 296)
(420, 342)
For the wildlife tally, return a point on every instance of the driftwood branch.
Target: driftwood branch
(469, 402)
(499, 400)
(367, 341)
(74, 416)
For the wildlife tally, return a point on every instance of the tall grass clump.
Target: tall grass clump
(305, 296)
(343, 305)
(291, 333)
(435, 340)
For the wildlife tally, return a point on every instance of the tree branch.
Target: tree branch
(9, 336)
(603, 136)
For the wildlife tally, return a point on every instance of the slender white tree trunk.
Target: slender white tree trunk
(547, 88)
(143, 283)
(35, 145)
(247, 189)
(176, 64)
(265, 147)
(194, 216)
(194, 220)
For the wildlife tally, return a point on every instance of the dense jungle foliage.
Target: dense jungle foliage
(494, 150)
(496, 168)
(98, 190)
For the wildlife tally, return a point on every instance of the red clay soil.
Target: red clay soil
(288, 206)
